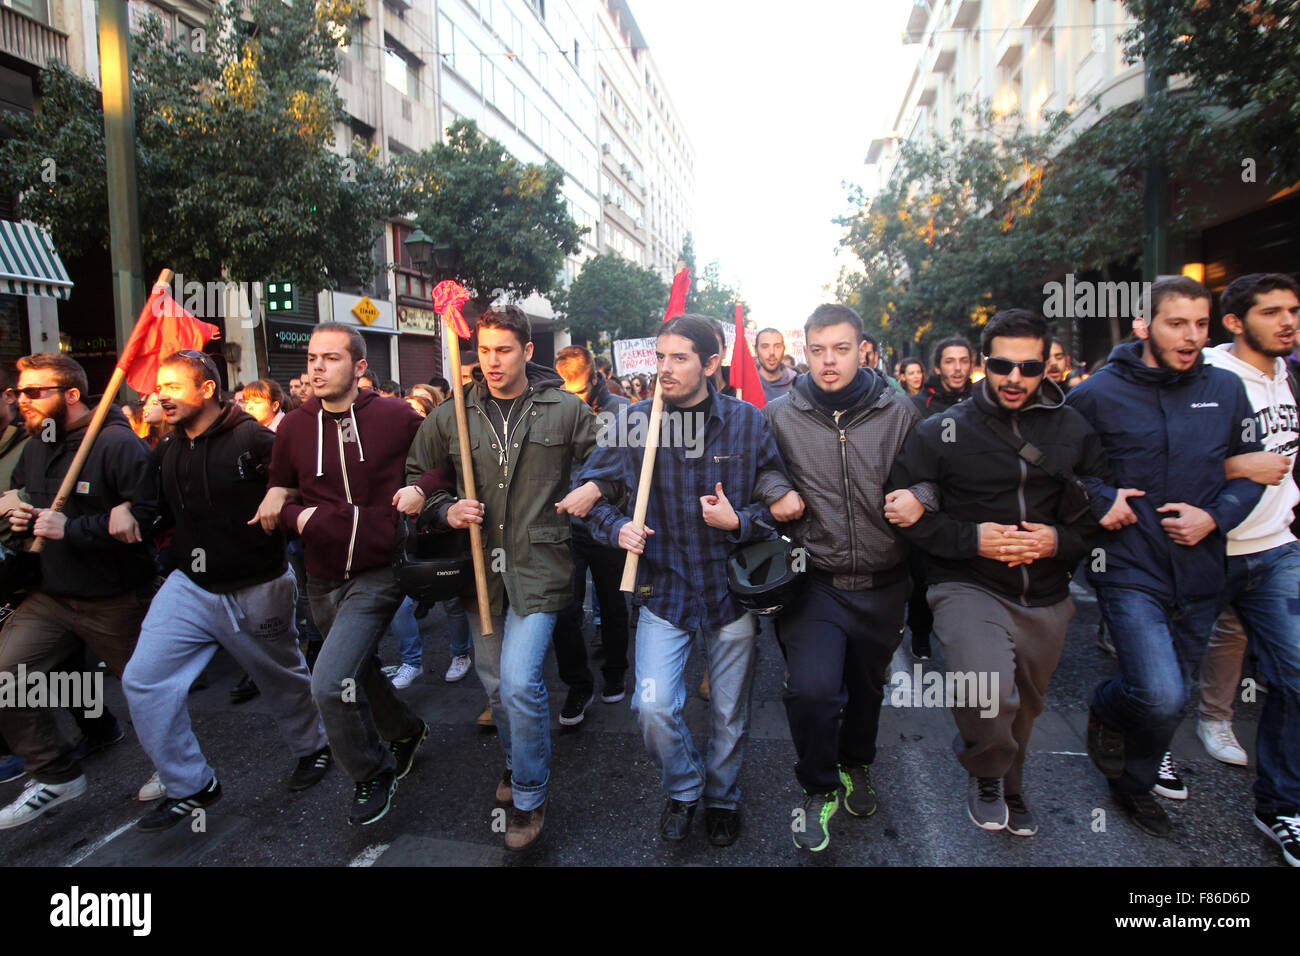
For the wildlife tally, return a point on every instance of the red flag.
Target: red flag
(165, 327)
(744, 373)
(677, 300)
(448, 299)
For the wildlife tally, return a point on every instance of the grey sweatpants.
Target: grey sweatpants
(1012, 652)
(181, 633)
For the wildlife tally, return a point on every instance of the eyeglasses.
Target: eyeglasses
(1029, 369)
(33, 392)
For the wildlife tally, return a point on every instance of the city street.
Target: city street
(605, 799)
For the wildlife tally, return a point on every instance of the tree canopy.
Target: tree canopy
(506, 219)
(612, 297)
(234, 129)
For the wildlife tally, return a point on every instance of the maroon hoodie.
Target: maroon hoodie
(348, 468)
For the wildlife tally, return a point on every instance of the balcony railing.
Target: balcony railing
(31, 41)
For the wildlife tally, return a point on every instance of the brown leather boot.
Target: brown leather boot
(504, 792)
(485, 719)
(524, 828)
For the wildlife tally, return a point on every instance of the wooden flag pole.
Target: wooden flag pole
(96, 422)
(630, 565)
(643, 483)
(467, 476)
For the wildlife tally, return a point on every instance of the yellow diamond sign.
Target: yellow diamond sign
(366, 311)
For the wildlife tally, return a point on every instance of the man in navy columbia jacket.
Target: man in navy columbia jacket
(1167, 421)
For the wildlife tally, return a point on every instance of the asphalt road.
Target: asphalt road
(605, 798)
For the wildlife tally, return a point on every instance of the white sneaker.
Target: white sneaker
(460, 665)
(152, 790)
(405, 676)
(1220, 742)
(38, 797)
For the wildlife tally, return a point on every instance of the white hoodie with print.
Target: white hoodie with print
(1276, 425)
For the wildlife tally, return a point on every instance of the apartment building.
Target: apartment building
(1036, 55)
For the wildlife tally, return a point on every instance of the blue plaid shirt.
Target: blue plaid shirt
(682, 576)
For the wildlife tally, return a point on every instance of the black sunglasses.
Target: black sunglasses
(1031, 368)
(33, 392)
(206, 359)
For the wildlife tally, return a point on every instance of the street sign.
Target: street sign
(365, 311)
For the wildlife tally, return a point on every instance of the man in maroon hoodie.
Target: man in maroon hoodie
(344, 450)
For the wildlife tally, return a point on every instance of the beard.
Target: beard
(59, 415)
(1160, 356)
(185, 414)
(1248, 334)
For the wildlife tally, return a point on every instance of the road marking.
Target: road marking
(102, 841)
(1063, 753)
(368, 856)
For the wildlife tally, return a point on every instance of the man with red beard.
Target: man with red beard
(94, 588)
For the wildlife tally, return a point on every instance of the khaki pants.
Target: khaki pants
(1221, 667)
(1010, 648)
(40, 634)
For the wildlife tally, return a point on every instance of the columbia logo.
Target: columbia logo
(1205, 404)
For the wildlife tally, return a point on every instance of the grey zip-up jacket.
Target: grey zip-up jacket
(840, 469)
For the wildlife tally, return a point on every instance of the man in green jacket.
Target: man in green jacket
(525, 432)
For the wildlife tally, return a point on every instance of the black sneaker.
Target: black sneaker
(675, 821)
(575, 706)
(1144, 810)
(1285, 832)
(372, 800)
(1105, 747)
(722, 824)
(93, 743)
(921, 647)
(404, 750)
(859, 795)
(171, 811)
(614, 691)
(310, 769)
(1168, 784)
(244, 690)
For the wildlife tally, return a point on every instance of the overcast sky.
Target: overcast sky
(780, 108)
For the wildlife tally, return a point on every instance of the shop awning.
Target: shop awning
(28, 263)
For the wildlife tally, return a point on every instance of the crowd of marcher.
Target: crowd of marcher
(958, 501)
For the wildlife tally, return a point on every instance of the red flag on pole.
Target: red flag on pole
(449, 297)
(744, 373)
(166, 328)
(677, 300)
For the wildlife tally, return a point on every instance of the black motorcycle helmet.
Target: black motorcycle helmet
(430, 566)
(762, 575)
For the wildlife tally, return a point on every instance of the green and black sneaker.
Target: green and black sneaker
(812, 826)
(859, 796)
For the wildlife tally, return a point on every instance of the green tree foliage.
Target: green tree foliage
(507, 219)
(710, 295)
(612, 298)
(982, 218)
(234, 129)
(1238, 53)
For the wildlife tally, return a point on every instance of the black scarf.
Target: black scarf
(846, 397)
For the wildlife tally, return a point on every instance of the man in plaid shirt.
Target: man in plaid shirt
(715, 449)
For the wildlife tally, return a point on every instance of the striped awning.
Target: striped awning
(28, 263)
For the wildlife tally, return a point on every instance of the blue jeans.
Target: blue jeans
(526, 730)
(1264, 589)
(1158, 646)
(409, 630)
(660, 695)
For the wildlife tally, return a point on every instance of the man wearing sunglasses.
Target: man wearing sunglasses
(94, 588)
(1013, 521)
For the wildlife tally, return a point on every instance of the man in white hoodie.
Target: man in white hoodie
(1263, 572)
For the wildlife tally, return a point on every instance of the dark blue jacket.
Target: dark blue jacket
(1167, 433)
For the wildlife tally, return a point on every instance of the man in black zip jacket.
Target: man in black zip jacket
(232, 588)
(93, 588)
(578, 370)
(838, 429)
(999, 553)
(950, 384)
